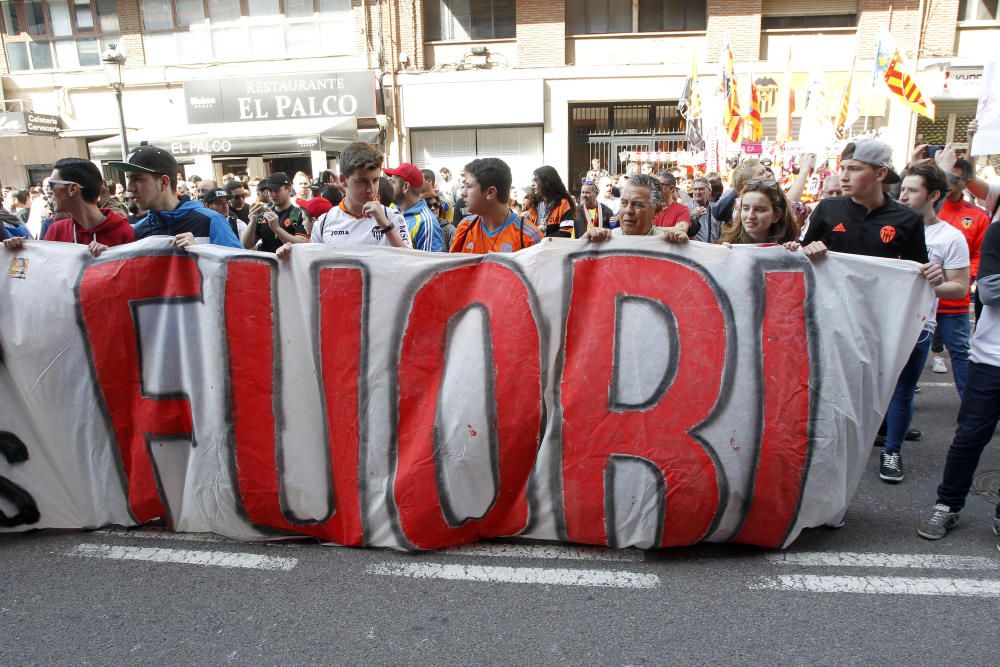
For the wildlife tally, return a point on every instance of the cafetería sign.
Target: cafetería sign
(246, 99)
(28, 122)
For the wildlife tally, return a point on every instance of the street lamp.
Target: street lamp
(114, 66)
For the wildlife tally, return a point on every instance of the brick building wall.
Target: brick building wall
(130, 23)
(940, 28)
(900, 16)
(740, 19)
(541, 33)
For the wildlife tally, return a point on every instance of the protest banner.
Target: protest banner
(986, 141)
(635, 394)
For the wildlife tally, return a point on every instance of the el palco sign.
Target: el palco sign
(246, 99)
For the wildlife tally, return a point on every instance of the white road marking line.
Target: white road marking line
(187, 537)
(158, 555)
(516, 575)
(935, 384)
(809, 583)
(546, 551)
(854, 559)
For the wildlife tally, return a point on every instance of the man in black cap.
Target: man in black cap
(276, 224)
(218, 201)
(152, 180)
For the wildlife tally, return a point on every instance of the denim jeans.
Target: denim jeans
(900, 412)
(954, 330)
(977, 421)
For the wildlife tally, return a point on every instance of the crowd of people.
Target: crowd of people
(936, 212)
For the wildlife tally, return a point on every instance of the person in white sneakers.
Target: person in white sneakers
(980, 411)
(923, 188)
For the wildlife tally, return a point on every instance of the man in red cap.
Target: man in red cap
(424, 228)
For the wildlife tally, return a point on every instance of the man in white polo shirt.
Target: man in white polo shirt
(359, 219)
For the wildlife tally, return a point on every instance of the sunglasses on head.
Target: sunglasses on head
(766, 182)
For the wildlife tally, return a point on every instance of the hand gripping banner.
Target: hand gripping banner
(632, 394)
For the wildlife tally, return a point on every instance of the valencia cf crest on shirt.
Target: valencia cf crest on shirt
(887, 234)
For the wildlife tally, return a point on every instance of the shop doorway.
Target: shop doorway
(289, 164)
(619, 133)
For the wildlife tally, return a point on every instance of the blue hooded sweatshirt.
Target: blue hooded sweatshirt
(190, 216)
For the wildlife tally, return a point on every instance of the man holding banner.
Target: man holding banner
(152, 180)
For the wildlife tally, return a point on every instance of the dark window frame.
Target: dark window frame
(206, 11)
(641, 9)
(24, 36)
(809, 22)
(432, 21)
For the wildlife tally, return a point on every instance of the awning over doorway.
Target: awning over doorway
(254, 138)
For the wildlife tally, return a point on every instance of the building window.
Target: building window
(468, 20)
(58, 34)
(229, 30)
(978, 10)
(600, 17)
(668, 15)
(806, 22)
(808, 14)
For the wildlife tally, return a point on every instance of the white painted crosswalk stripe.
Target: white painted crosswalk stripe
(935, 384)
(184, 556)
(884, 560)
(516, 575)
(546, 551)
(948, 586)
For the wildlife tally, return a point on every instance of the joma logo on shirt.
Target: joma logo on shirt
(340, 232)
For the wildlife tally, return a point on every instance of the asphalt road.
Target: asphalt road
(871, 592)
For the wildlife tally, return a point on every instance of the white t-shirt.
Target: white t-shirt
(945, 246)
(990, 203)
(338, 227)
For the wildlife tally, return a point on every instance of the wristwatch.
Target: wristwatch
(385, 230)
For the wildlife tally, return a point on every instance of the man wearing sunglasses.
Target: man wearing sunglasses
(76, 188)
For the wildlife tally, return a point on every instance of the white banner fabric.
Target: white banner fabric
(632, 394)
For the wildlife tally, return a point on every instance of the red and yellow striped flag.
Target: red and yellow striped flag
(845, 108)
(732, 118)
(905, 88)
(753, 118)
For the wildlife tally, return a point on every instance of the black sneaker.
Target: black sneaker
(891, 469)
(940, 521)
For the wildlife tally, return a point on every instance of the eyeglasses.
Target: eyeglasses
(56, 181)
(766, 182)
(433, 203)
